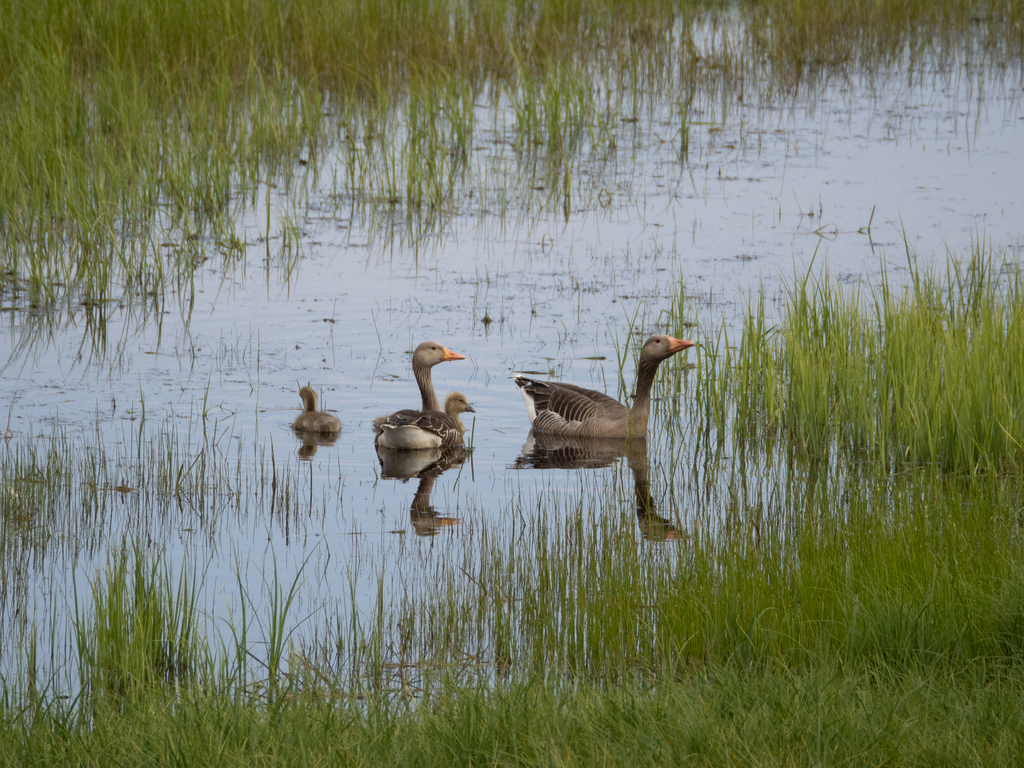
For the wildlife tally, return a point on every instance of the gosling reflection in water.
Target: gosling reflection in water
(543, 450)
(312, 440)
(427, 465)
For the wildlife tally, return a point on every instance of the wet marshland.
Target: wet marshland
(162, 422)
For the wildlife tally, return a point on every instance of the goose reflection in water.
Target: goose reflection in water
(544, 450)
(426, 465)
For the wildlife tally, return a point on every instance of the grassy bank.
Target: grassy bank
(811, 614)
(717, 716)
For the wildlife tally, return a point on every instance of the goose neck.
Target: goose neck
(642, 397)
(426, 385)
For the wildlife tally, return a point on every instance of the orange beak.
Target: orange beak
(449, 355)
(678, 345)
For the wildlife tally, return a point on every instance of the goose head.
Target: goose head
(455, 405)
(430, 353)
(662, 347)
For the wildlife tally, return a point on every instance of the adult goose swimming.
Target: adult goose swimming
(566, 409)
(312, 420)
(418, 430)
(427, 355)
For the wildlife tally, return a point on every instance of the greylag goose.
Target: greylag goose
(427, 355)
(416, 430)
(566, 409)
(312, 420)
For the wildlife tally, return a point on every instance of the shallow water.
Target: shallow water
(840, 181)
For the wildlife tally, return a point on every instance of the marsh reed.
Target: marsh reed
(927, 372)
(134, 131)
(804, 589)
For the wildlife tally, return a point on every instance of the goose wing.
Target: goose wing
(396, 419)
(430, 424)
(553, 403)
(431, 421)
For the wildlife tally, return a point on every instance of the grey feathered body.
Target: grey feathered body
(567, 409)
(409, 430)
(413, 430)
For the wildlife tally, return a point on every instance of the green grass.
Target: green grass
(140, 634)
(927, 373)
(918, 678)
(848, 480)
(801, 37)
(716, 716)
